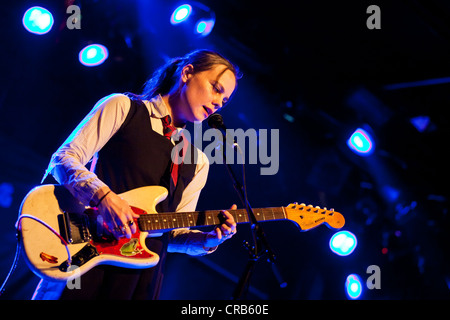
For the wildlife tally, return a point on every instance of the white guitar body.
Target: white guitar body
(48, 202)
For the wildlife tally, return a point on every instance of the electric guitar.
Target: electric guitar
(63, 239)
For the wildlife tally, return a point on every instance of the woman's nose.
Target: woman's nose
(217, 103)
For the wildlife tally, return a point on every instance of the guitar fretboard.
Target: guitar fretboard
(168, 221)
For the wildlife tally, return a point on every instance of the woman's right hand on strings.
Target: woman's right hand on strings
(116, 212)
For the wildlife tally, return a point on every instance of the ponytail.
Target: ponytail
(166, 77)
(162, 80)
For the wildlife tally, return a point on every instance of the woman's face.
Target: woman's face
(203, 93)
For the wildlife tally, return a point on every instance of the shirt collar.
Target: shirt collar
(159, 109)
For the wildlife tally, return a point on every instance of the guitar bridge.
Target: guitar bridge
(74, 227)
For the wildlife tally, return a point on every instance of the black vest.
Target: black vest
(137, 156)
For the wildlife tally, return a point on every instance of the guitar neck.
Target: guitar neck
(169, 221)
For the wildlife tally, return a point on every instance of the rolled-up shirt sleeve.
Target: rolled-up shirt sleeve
(68, 163)
(185, 240)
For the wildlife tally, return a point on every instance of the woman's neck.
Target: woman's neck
(170, 100)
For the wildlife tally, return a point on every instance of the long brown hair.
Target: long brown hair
(166, 77)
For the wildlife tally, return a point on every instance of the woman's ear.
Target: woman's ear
(187, 72)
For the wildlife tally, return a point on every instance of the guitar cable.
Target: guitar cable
(18, 248)
(13, 267)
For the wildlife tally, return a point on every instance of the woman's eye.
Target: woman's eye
(216, 88)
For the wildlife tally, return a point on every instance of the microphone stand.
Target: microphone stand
(255, 251)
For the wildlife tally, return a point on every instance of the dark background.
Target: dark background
(313, 70)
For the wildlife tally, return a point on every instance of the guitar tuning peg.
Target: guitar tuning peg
(302, 204)
(325, 208)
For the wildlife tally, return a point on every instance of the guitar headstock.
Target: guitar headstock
(309, 217)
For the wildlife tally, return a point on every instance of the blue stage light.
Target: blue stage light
(343, 243)
(196, 15)
(361, 142)
(204, 27)
(353, 286)
(93, 55)
(201, 26)
(6, 194)
(421, 123)
(37, 20)
(180, 14)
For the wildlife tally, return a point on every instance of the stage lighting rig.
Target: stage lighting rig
(196, 16)
(361, 142)
(38, 20)
(93, 55)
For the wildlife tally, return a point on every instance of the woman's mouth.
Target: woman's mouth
(208, 111)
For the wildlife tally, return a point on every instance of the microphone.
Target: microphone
(216, 121)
